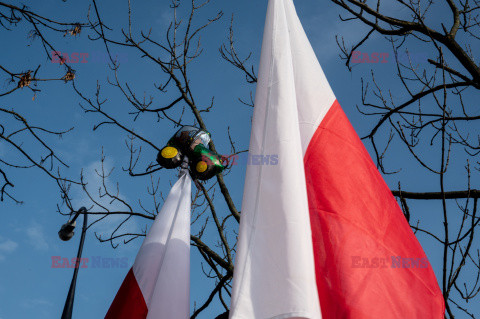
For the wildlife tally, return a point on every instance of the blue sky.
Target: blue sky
(30, 287)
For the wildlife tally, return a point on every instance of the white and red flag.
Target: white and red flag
(319, 229)
(158, 285)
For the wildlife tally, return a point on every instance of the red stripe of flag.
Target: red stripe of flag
(357, 227)
(129, 302)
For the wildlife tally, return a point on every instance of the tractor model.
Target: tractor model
(192, 143)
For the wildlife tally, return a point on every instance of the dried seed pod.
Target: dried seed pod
(76, 30)
(69, 76)
(25, 80)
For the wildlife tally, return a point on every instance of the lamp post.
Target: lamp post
(66, 233)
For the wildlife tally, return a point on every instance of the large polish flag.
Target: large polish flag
(318, 231)
(158, 285)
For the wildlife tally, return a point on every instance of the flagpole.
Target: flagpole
(65, 233)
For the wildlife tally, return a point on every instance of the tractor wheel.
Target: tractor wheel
(169, 157)
(202, 169)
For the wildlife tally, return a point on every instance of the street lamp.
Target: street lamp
(66, 233)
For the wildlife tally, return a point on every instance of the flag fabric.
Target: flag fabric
(320, 232)
(158, 284)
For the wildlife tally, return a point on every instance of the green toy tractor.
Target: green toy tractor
(192, 142)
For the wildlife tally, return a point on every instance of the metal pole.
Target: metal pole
(68, 308)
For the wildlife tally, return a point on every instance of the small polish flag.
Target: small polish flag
(158, 285)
